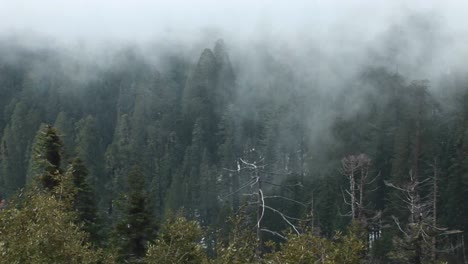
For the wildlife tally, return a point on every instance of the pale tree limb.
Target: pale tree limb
(263, 207)
(274, 233)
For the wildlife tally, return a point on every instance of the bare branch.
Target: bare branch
(274, 233)
(389, 184)
(374, 179)
(237, 170)
(398, 225)
(252, 165)
(285, 218)
(286, 198)
(284, 185)
(238, 190)
(263, 207)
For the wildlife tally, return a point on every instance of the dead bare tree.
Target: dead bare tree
(419, 234)
(434, 206)
(416, 231)
(257, 184)
(356, 169)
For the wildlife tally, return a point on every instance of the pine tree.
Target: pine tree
(17, 137)
(209, 205)
(47, 157)
(39, 230)
(135, 226)
(64, 124)
(199, 101)
(178, 242)
(228, 153)
(84, 202)
(118, 156)
(90, 150)
(310, 248)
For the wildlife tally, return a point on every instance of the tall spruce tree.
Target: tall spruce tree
(90, 150)
(47, 157)
(64, 124)
(15, 147)
(84, 200)
(135, 226)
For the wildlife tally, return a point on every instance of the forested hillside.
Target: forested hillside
(245, 165)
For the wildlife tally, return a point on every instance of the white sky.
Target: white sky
(145, 19)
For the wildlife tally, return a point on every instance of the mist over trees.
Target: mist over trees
(267, 153)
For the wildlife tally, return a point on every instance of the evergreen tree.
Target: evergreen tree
(40, 230)
(135, 226)
(238, 246)
(178, 242)
(47, 157)
(118, 156)
(84, 199)
(200, 100)
(228, 153)
(310, 248)
(64, 124)
(15, 147)
(209, 205)
(89, 149)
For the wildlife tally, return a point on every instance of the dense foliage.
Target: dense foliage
(40, 230)
(129, 143)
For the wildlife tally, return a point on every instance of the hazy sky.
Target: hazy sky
(326, 43)
(337, 31)
(146, 19)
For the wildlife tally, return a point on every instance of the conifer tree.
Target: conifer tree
(64, 124)
(47, 157)
(83, 202)
(17, 137)
(39, 230)
(90, 150)
(118, 155)
(135, 226)
(178, 242)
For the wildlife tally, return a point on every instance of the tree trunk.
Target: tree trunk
(259, 250)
